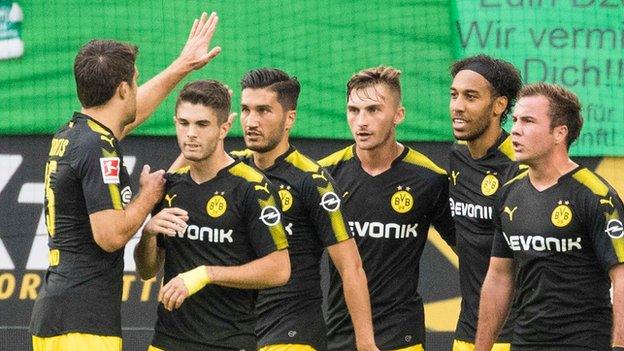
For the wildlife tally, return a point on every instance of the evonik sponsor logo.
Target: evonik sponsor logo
(383, 230)
(541, 243)
(212, 235)
(469, 210)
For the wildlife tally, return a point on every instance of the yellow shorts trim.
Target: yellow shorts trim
(418, 347)
(77, 341)
(459, 345)
(154, 348)
(288, 347)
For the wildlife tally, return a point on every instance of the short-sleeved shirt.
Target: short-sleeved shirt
(82, 287)
(311, 206)
(389, 216)
(233, 219)
(564, 240)
(474, 186)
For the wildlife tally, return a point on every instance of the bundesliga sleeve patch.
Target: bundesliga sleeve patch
(110, 169)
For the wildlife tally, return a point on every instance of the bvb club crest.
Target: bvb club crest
(489, 185)
(402, 201)
(217, 205)
(562, 214)
(285, 197)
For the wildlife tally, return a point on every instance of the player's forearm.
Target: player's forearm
(147, 257)
(356, 295)
(112, 229)
(617, 278)
(178, 163)
(266, 272)
(152, 93)
(496, 296)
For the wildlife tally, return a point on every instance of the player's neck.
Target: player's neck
(204, 170)
(264, 160)
(379, 159)
(479, 147)
(546, 171)
(108, 117)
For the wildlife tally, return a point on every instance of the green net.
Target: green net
(323, 43)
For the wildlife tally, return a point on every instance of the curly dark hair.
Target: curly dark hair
(504, 78)
(286, 87)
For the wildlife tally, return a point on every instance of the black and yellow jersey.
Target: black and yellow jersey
(564, 240)
(313, 218)
(233, 219)
(473, 189)
(82, 288)
(389, 216)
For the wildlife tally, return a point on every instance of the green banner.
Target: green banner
(321, 42)
(577, 43)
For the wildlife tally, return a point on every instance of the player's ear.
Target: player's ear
(224, 128)
(500, 104)
(561, 134)
(291, 116)
(123, 90)
(399, 116)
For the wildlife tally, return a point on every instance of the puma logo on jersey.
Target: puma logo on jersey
(170, 198)
(264, 187)
(319, 176)
(607, 201)
(454, 175)
(108, 140)
(510, 212)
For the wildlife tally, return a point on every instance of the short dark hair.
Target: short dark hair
(365, 78)
(209, 93)
(504, 78)
(286, 87)
(99, 68)
(564, 109)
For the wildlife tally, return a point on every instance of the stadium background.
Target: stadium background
(577, 43)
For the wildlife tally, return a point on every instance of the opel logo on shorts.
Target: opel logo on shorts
(330, 202)
(615, 229)
(270, 216)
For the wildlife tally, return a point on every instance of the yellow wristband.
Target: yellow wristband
(195, 279)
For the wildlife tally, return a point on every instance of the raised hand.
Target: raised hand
(197, 52)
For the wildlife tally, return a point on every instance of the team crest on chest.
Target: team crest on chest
(562, 214)
(402, 201)
(285, 197)
(217, 205)
(490, 184)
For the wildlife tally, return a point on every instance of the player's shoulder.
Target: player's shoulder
(338, 157)
(246, 173)
(302, 162)
(590, 182)
(175, 176)
(505, 149)
(422, 163)
(243, 155)
(524, 172)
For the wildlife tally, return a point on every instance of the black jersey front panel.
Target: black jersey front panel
(292, 314)
(389, 216)
(233, 219)
(82, 288)
(564, 240)
(474, 186)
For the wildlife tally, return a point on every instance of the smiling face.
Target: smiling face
(472, 107)
(264, 121)
(373, 113)
(198, 131)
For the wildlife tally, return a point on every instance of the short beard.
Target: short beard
(271, 144)
(484, 123)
